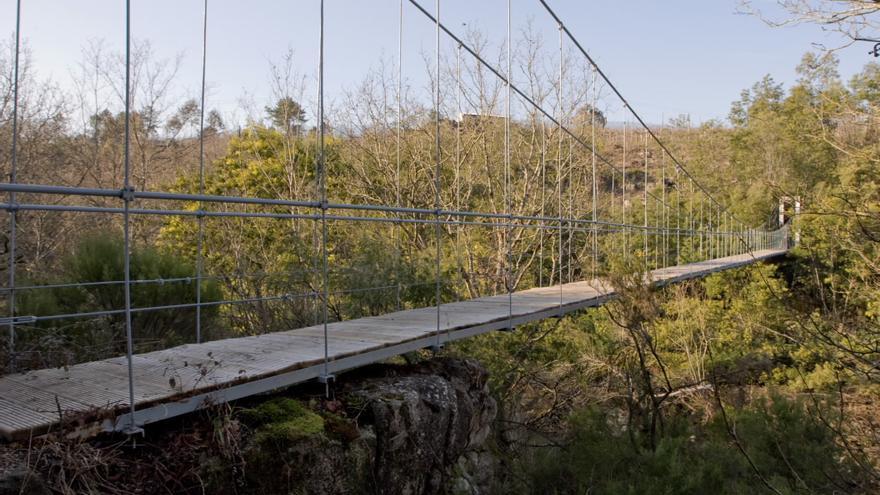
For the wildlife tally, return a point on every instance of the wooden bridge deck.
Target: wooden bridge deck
(175, 381)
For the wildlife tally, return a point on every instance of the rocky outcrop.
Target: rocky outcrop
(424, 423)
(415, 427)
(392, 429)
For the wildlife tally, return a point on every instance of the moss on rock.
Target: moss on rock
(278, 410)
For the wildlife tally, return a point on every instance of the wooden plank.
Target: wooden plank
(366, 335)
(176, 374)
(98, 383)
(40, 400)
(16, 419)
(335, 347)
(354, 333)
(106, 394)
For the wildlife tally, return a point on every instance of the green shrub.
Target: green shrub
(99, 258)
(791, 450)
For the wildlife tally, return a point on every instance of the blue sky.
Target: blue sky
(668, 57)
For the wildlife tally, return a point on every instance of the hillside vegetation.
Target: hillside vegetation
(762, 379)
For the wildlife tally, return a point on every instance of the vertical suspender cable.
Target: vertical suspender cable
(126, 198)
(543, 197)
(201, 219)
(728, 236)
(731, 230)
(507, 186)
(724, 227)
(594, 189)
(458, 157)
(701, 227)
(712, 236)
(623, 219)
(645, 188)
(722, 235)
(659, 142)
(437, 166)
(322, 184)
(611, 217)
(710, 222)
(691, 225)
(559, 101)
(713, 244)
(316, 237)
(571, 214)
(612, 230)
(13, 176)
(660, 233)
(737, 242)
(397, 226)
(664, 207)
(677, 218)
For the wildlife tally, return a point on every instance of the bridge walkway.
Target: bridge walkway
(94, 396)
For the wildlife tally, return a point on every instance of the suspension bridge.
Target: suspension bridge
(684, 232)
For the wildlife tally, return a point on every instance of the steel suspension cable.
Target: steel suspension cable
(645, 201)
(437, 170)
(571, 190)
(623, 218)
(397, 227)
(594, 193)
(127, 198)
(677, 218)
(543, 199)
(626, 103)
(559, 104)
(201, 220)
(459, 162)
(701, 227)
(519, 92)
(507, 179)
(322, 189)
(13, 177)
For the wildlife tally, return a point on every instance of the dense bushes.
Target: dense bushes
(97, 267)
(787, 448)
(621, 399)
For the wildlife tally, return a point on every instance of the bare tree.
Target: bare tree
(852, 18)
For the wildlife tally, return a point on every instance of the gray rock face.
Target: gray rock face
(424, 423)
(405, 430)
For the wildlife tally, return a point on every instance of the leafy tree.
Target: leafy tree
(287, 115)
(587, 115)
